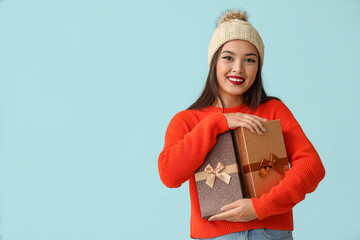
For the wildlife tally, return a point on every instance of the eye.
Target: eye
(249, 60)
(227, 58)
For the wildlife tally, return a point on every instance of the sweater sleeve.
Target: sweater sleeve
(185, 149)
(305, 173)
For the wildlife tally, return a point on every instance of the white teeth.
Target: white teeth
(235, 79)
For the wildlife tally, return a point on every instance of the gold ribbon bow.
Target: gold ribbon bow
(275, 163)
(264, 166)
(220, 171)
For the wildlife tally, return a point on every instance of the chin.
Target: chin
(236, 93)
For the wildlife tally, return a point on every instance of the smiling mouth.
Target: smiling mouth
(236, 80)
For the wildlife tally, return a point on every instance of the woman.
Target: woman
(234, 97)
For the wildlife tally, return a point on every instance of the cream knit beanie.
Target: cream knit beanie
(233, 25)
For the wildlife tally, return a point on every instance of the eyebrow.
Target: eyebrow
(248, 54)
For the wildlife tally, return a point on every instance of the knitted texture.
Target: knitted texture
(232, 28)
(192, 133)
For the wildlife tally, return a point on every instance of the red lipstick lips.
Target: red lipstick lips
(236, 80)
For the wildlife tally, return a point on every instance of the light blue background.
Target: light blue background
(87, 89)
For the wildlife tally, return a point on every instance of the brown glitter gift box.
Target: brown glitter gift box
(263, 158)
(217, 180)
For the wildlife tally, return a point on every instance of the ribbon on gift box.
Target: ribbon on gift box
(220, 171)
(264, 166)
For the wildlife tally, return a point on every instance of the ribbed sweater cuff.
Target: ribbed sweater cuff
(261, 208)
(219, 121)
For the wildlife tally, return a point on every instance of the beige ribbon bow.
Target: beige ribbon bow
(210, 180)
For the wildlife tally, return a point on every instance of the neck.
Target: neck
(229, 102)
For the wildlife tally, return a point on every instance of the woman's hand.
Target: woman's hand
(252, 122)
(239, 211)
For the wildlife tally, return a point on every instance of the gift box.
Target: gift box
(217, 180)
(263, 158)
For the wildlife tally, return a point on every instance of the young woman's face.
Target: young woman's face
(236, 68)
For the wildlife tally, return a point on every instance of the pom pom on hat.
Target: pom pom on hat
(230, 15)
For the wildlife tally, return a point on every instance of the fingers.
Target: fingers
(254, 123)
(260, 121)
(232, 205)
(224, 216)
(241, 210)
(230, 216)
(253, 126)
(260, 118)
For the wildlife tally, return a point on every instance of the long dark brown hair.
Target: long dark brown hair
(253, 97)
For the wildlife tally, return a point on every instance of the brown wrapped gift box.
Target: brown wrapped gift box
(213, 198)
(263, 157)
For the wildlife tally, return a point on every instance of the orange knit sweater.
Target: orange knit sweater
(192, 133)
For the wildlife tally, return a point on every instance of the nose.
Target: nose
(238, 66)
